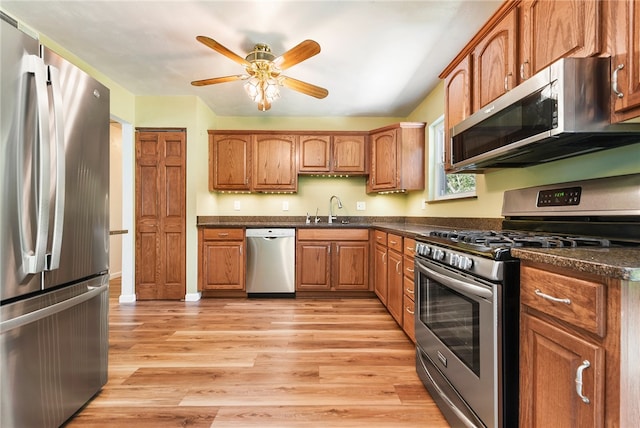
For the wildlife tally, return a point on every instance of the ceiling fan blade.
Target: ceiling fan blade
(304, 87)
(221, 49)
(297, 54)
(215, 80)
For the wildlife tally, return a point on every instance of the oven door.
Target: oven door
(456, 328)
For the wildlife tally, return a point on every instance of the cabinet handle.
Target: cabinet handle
(397, 266)
(409, 310)
(384, 258)
(408, 290)
(241, 249)
(223, 234)
(585, 364)
(393, 242)
(410, 269)
(553, 299)
(506, 81)
(614, 81)
(522, 69)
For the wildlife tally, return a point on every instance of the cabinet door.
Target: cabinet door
(229, 162)
(553, 361)
(554, 29)
(494, 61)
(349, 154)
(350, 267)
(380, 272)
(313, 266)
(408, 317)
(315, 152)
(274, 163)
(457, 100)
(626, 59)
(395, 291)
(223, 265)
(384, 161)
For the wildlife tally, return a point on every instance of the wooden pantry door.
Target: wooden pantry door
(160, 214)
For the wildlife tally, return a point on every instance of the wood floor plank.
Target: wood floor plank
(259, 363)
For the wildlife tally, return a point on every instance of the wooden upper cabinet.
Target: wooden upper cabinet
(457, 99)
(229, 161)
(339, 153)
(349, 154)
(396, 158)
(274, 163)
(553, 29)
(384, 161)
(624, 18)
(494, 61)
(315, 153)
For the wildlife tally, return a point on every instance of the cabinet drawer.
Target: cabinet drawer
(580, 302)
(380, 237)
(408, 319)
(409, 247)
(408, 267)
(329, 234)
(223, 234)
(409, 287)
(395, 242)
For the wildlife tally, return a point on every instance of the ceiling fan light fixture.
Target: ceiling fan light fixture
(262, 89)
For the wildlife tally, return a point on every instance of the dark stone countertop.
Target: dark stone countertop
(615, 262)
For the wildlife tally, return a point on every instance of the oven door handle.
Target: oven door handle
(456, 284)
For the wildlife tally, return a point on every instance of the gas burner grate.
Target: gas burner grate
(493, 239)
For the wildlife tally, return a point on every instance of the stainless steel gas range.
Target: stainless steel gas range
(467, 290)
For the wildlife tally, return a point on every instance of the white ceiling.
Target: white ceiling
(378, 58)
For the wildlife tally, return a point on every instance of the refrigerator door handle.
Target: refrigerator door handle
(34, 316)
(58, 121)
(33, 261)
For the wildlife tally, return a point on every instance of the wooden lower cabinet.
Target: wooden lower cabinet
(395, 285)
(222, 259)
(332, 260)
(408, 316)
(553, 361)
(380, 265)
(570, 345)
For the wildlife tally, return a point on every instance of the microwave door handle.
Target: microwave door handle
(33, 261)
(456, 284)
(58, 120)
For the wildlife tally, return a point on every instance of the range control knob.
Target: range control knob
(465, 262)
(422, 249)
(438, 254)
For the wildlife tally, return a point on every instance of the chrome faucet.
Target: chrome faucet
(331, 216)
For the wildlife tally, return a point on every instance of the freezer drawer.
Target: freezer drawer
(54, 354)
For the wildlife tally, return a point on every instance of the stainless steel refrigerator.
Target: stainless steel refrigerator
(54, 234)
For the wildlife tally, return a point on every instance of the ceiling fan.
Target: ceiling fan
(263, 71)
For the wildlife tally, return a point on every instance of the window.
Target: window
(441, 184)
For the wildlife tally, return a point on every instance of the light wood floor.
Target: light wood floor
(258, 363)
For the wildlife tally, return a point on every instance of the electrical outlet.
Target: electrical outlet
(236, 205)
(361, 205)
(285, 205)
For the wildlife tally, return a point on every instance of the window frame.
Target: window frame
(438, 175)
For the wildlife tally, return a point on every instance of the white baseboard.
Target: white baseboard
(113, 275)
(127, 298)
(192, 297)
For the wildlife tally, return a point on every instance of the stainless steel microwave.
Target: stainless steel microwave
(561, 111)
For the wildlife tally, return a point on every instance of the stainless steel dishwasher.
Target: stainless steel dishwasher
(271, 259)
